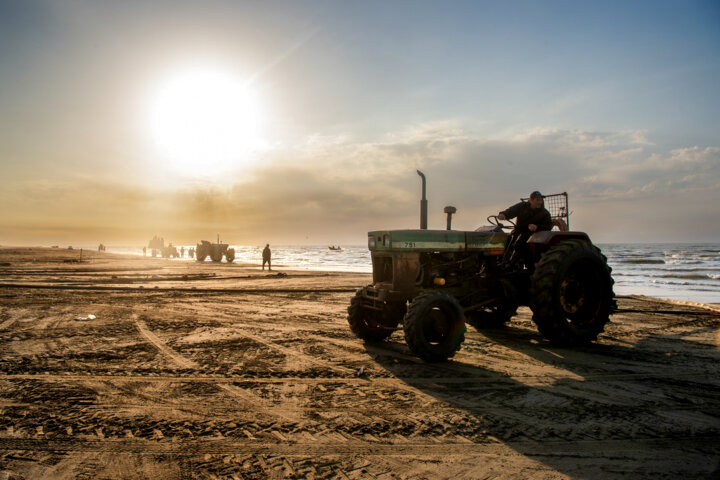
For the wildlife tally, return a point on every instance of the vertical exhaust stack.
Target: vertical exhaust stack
(449, 210)
(423, 204)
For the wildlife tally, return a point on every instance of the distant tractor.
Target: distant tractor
(169, 252)
(215, 251)
(434, 281)
(157, 244)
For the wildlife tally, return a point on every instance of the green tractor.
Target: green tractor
(215, 251)
(434, 281)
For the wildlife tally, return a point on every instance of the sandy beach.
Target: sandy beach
(129, 367)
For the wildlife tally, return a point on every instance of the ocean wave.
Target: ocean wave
(693, 256)
(683, 276)
(689, 286)
(643, 260)
(676, 261)
(692, 276)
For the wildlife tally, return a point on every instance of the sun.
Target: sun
(205, 120)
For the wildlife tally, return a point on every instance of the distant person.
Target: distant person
(191, 252)
(182, 251)
(266, 257)
(144, 251)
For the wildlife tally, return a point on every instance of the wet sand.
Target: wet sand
(224, 371)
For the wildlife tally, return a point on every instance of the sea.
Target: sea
(676, 271)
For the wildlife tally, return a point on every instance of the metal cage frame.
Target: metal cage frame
(557, 206)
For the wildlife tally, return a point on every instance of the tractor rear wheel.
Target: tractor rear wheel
(200, 254)
(434, 326)
(373, 325)
(571, 293)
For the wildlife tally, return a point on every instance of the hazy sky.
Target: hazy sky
(304, 121)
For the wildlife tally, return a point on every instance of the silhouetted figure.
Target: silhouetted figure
(266, 257)
(182, 251)
(144, 251)
(532, 216)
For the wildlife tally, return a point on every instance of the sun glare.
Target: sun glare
(203, 119)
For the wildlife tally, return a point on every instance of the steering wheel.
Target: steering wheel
(494, 220)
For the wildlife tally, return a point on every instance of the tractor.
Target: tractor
(157, 244)
(215, 251)
(433, 282)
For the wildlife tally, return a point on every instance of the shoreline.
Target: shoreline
(253, 267)
(715, 307)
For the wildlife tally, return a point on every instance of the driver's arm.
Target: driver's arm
(511, 212)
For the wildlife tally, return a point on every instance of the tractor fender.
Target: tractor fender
(548, 238)
(560, 224)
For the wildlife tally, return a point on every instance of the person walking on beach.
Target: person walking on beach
(266, 257)
(144, 251)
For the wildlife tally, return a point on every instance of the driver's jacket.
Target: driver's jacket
(526, 215)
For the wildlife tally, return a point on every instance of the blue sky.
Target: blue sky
(614, 102)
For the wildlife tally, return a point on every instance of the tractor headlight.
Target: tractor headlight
(371, 242)
(387, 241)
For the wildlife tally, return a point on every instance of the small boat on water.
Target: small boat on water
(334, 247)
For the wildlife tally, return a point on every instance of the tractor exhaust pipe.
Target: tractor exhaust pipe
(423, 204)
(449, 210)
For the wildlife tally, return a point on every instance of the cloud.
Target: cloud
(636, 175)
(336, 188)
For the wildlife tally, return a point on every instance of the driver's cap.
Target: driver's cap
(536, 194)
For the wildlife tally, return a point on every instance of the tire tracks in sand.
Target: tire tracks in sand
(258, 403)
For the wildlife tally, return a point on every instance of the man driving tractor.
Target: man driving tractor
(532, 216)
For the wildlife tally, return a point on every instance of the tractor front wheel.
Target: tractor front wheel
(230, 255)
(370, 324)
(434, 326)
(571, 293)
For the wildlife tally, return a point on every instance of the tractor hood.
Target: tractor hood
(491, 243)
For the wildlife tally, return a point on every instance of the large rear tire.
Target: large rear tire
(571, 293)
(373, 325)
(200, 253)
(434, 326)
